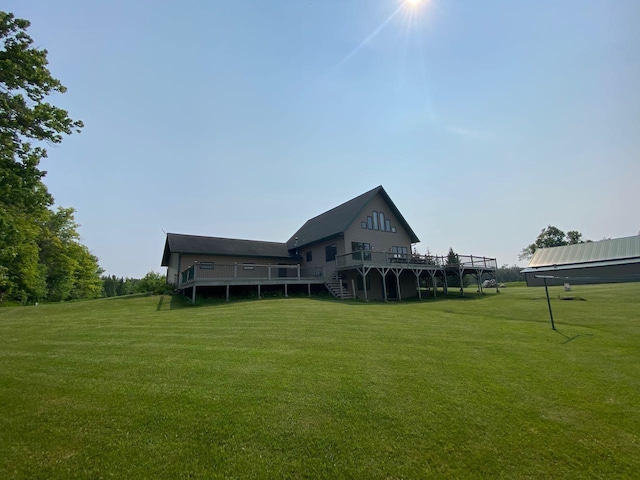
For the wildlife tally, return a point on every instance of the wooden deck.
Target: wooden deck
(204, 274)
(364, 261)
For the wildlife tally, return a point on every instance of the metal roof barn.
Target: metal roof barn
(604, 261)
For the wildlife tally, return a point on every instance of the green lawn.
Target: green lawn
(474, 387)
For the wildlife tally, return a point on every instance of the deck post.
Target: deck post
(460, 276)
(286, 291)
(398, 284)
(193, 294)
(384, 285)
(298, 271)
(364, 286)
(269, 269)
(309, 289)
(417, 272)
(227, 292)
(432, 274)
(235, 270)
(353, 287)
(259, 297)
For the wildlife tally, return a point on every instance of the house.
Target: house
(362, 248)
(604, 261)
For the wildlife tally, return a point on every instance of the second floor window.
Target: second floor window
(361, 251)
(400, 252)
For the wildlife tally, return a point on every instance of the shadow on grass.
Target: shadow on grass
(133, 296)
(571, 339)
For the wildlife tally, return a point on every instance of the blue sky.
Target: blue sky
(484, 121)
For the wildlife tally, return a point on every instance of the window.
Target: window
(206, 265)
(361, 251)
(330, 252)
(309, 256)
(400, 253)
(248, 266)
(377, 221)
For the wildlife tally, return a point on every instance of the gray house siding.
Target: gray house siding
(173, 269)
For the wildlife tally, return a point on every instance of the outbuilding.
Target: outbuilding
(604, 261)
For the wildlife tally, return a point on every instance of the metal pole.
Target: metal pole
(553, 327)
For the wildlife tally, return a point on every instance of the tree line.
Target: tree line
(152, 282)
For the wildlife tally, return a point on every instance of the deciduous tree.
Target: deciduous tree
(551, 237)
(40, 256)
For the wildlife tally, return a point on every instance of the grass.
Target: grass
(474, 387)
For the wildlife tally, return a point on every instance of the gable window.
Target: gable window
(330, 252)
(377, 221)
(309, 256)
(361, 251)
(206, 265)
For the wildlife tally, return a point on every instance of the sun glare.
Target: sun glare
(413, 2)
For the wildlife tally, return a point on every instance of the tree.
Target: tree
(40, 256)
(551, 237)
(452, 257)
(71, 271)
(507, 273)
(153, 282)
(25, 116)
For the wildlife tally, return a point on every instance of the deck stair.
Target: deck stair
(336, 288)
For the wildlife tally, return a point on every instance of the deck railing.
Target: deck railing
(254, 272)
(371, 257)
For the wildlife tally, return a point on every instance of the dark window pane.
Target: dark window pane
(330, 252)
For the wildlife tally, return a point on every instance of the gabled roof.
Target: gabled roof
(335, 221)
(602, 252)
(195, 244)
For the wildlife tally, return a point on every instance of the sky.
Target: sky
(484, 121)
